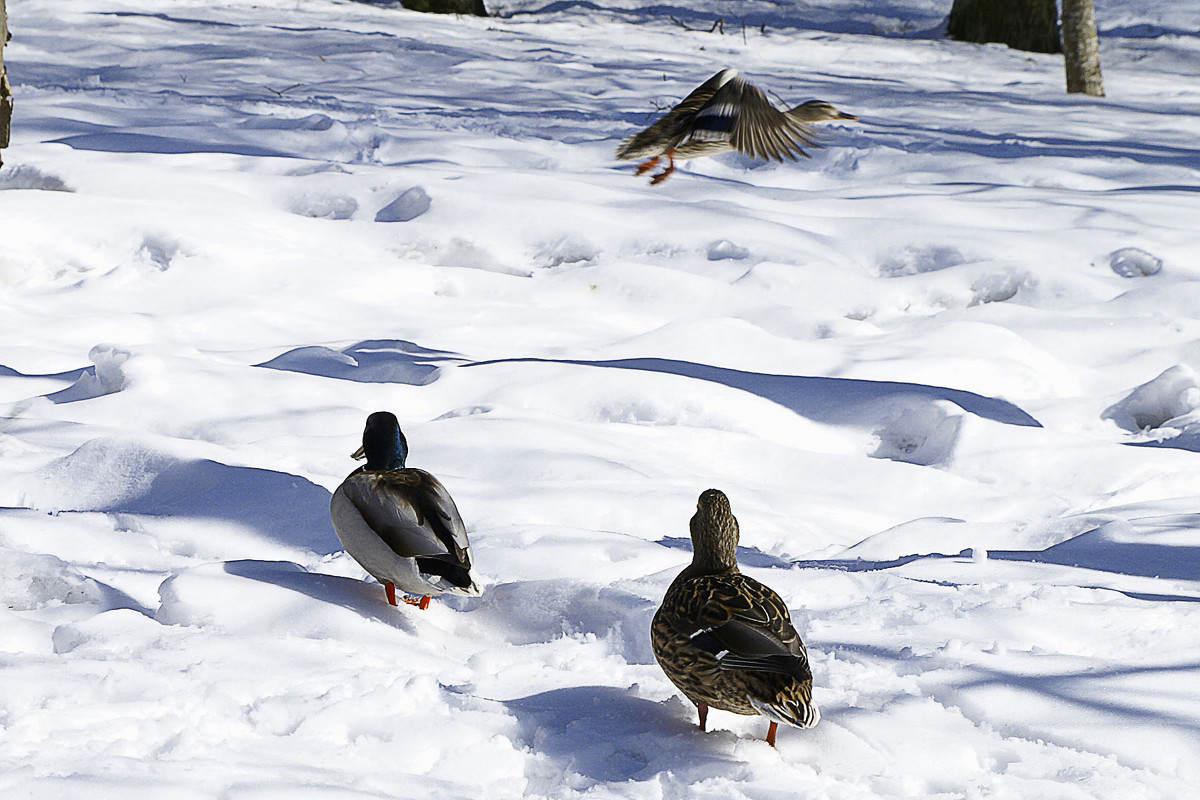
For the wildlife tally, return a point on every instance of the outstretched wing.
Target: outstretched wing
(673, 126)
(742, 115)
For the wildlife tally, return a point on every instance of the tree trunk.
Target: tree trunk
(1021, 24)
(6, 101)
(1081, 48)
(447, 6)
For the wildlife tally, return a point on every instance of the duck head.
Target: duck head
(384, 444)
(714, 534)
(817, 111)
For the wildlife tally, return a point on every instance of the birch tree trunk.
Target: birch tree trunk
(1081, 48)
(6, 101)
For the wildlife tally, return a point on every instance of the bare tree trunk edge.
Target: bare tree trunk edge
(1081, 48)
(6, 99)
(1030, 25)
(473, 7)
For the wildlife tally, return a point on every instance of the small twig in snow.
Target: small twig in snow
(288, 89)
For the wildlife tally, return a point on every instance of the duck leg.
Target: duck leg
(390, 590)
(662, 176)
(771, 733)
(703, 709)
(646, 166)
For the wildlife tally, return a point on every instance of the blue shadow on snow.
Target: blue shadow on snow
(829, 400)
(370, 361)
(286, 508)
(606, 734)
(362, 597)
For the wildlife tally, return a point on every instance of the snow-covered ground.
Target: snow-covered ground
(955, 416)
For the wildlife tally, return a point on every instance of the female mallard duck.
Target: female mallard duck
(726, 640)
(400, 523)
(726, 113)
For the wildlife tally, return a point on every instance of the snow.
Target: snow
(946, 371)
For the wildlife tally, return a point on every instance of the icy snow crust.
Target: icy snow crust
(945, 370)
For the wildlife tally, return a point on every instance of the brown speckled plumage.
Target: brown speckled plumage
(727, 640)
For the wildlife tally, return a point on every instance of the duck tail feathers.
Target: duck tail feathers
(797, 714)
(447, 575)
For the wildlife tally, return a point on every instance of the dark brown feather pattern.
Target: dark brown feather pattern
(726, 640)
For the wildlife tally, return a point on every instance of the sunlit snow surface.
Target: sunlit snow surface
(946, 371)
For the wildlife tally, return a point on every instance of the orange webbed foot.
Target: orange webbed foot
(662, 176)
(420, 602)
(646, 166)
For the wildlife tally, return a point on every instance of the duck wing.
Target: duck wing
(674, 126)
(741, 114)
(745, 626)
(411, 511)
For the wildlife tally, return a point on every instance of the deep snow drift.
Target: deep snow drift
(946, 371)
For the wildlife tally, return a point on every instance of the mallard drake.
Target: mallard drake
(726, 113)
(400, 523)
(727, 640)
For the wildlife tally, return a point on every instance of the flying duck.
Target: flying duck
(726, 113)
(726, 640)
(400, 523)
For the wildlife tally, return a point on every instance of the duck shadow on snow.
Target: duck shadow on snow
(365, 598)
(606, 734)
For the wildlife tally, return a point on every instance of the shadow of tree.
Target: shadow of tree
(897, 20)
(829, 400)
(1093, 690)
